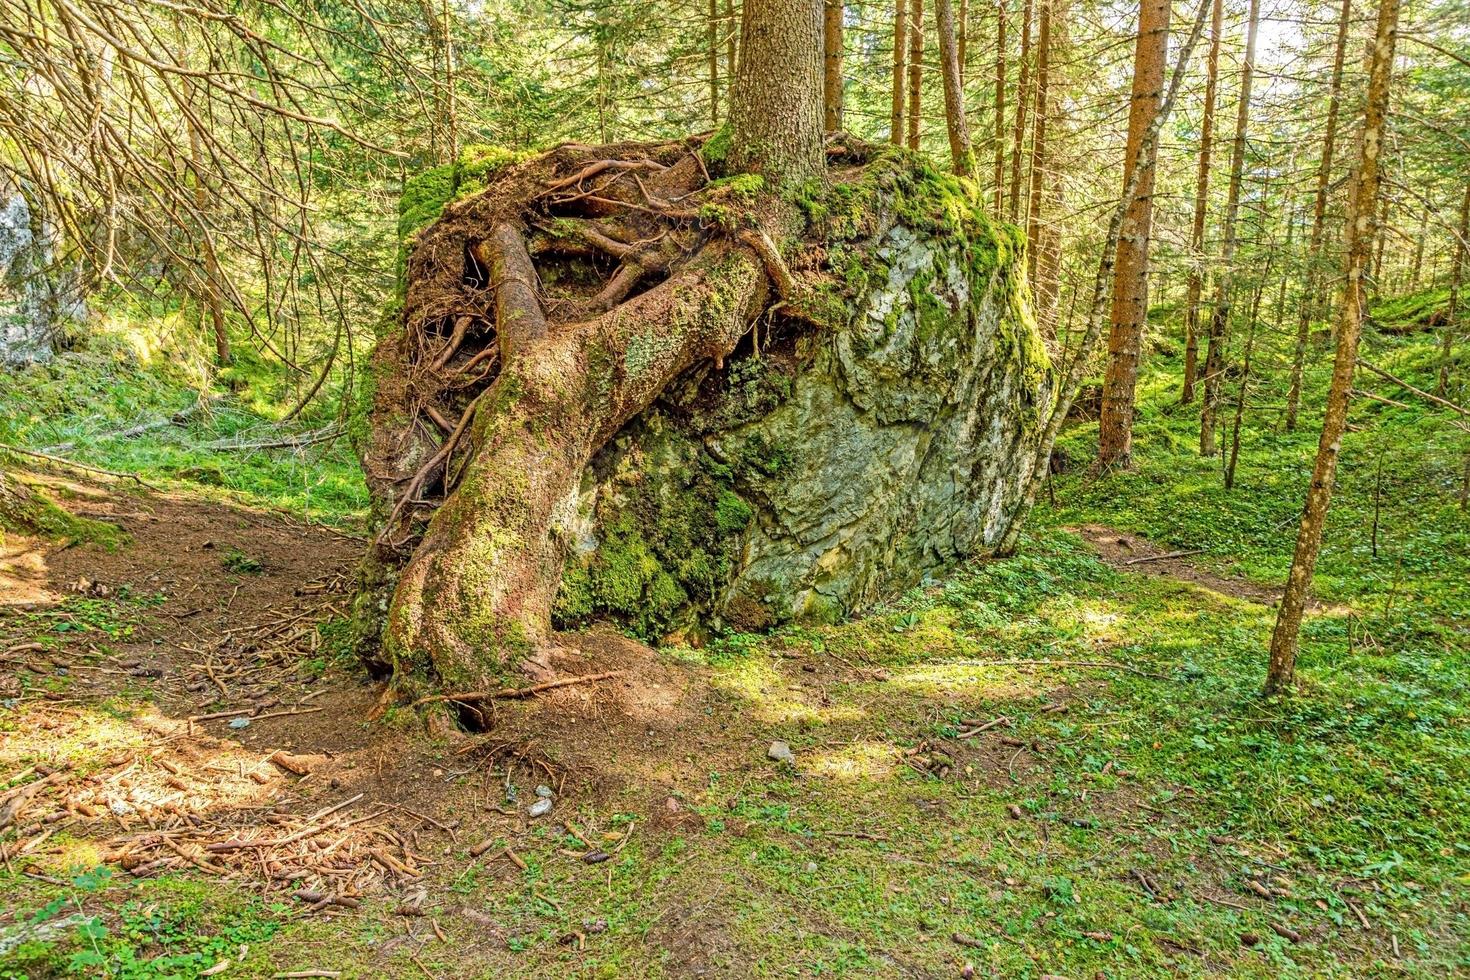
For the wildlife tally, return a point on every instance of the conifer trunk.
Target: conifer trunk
(900, 61)
(832, 64)
(1312, 296)
(1130, 285)
(916, 71)
(1452, 315)
(776, 103)
(1358, 243)
(1195, 284)
(1225, 287)
(1000, 104)
(1023, 95)
(1038, 140)
(962, 155)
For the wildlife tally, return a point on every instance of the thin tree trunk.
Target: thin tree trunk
(712, 42)
(1038, 140)
(1130, 286)
(1312, 296)
(916, 70)
(1023, 93)
(1358, 241)
(1195, 285)
(1067, 388)
(1452, 316)
(962, 155)
(776, 104)
(1418, 266)
(962, 40)
(900, 56)
(731, 40)
(1000, 104)
(832, 64)
(1224, 288)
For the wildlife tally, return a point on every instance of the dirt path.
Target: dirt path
(1133, 553)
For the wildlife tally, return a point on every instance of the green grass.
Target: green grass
(135, 370)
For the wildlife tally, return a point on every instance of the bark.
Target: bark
(900, 61)
(1452, 315)
(1023, 96)
(776, 103)
(1224, 288)
(1077, 367)
(961, 153)
(832, 64)
(712, 54)
(962, 41)
(731, 40)
(1358, 243)
(1130, 285)
(916, 71)
(1312, 296)
(1195, 285)
(1000, 103)
(1038, 139)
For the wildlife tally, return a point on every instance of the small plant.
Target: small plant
(240, 563)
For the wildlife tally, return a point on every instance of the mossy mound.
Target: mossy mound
(28, 509)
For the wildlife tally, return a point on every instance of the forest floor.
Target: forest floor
(1053, 765)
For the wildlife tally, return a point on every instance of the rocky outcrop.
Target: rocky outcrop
(826, 470)
(38, 290)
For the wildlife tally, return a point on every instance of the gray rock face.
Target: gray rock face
(834, 470)
(38, 291)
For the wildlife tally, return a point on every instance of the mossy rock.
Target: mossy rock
(26, 508)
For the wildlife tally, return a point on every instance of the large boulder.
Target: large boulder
(824, 471)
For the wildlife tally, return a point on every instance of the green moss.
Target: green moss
(28, 509)
(423, 199)
(717, 148)
(478, 162)
(671, 530)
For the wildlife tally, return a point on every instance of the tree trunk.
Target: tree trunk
(962, 41)
(832, 64)
(712, 43)
(731, 39)
(1195, 285)
(916, 71)
(1452, 315)
(1358, 243)
(1312, 295)
(1038, 140)
(776, 103)
(962, 155)
(1224, 288)
(900, 56)
(1077, 367)
(1130, 286)
(1000, 104)
(1023, 94)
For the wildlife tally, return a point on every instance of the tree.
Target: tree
(1039, 169)
(1452, 313)
(776, 103)
(1067, 389)
(962, 155)
(1311, 297)
(831, 64)
(916, 71)
(1358, 240)
(1225, 284)
(900, 55)
(1000, 104)
(1195, 284)
(1023, 95)
(1130, 284)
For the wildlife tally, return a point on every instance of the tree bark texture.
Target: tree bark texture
(1023, 97)
(832, 13)
(1038, 139)
(1130, 283)
(900, 78)
(776, 103)
(961, 153)
(916, 72)
(1357, 246)
(1000, 105)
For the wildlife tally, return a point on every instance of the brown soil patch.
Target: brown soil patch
(1133, 553)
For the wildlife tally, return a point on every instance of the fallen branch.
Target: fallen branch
(1418, 391)
(63, 461)
(1164, 557)
(310, 439)
(1103, 664)
(515, 692)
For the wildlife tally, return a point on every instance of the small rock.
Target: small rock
(239, 722)
(811, 867)
(780, 752)
(594, 925)
(596, 857)
(544, 792)
(540, 808)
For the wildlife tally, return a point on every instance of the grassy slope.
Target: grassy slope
(1355, 790)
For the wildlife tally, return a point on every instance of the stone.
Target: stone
(781, 752)
(836, 468)
(544, 792)
(540, 808)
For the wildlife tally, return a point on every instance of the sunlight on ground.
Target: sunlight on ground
(856, 762)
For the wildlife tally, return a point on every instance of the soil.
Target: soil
(1132, 553)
